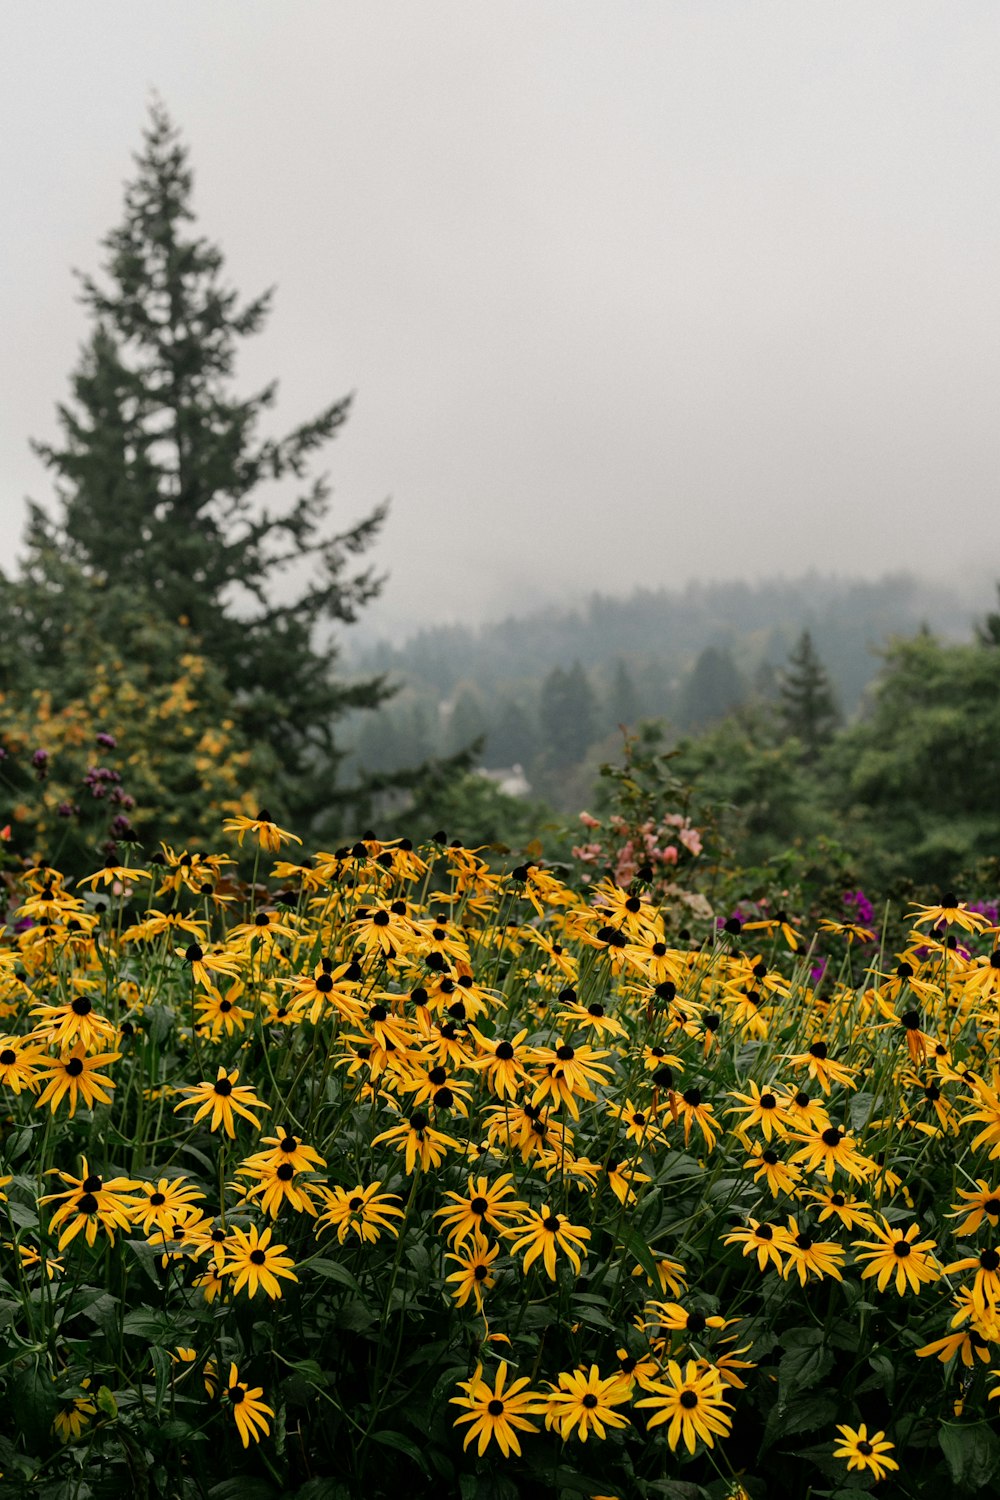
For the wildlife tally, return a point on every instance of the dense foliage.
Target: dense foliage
(390, 1170)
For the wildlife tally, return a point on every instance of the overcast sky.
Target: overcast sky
(628, 293)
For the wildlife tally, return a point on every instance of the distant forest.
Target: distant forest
(547, 691)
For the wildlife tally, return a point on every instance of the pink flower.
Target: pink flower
(589, 821)
(588, 853)
(691, 839)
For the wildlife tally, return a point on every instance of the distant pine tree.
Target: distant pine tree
(713, 689)
(808, 705)
(566, 713)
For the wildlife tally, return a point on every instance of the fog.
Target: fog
(628, 295)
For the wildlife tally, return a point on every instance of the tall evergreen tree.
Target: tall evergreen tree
(713, 689)
(566, 714)
(808, 705)
(162, 474)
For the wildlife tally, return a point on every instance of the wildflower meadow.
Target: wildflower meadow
(399, 1169)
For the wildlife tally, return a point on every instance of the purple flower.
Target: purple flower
(106, 741)
(817, 971)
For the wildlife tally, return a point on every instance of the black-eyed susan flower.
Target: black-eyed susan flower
(567, 1074)
(75, 1021)
(363, 1210)
(808, 1256)
(221, 1014)
(20, 1062)
(761, 1109)
(274, 1186)
(162, 1204)
(223, 1100)
(693, 1110)
(863, 1452)
(485, 1203)
(951, 911)
(692, 1402)
(981, 1203)
(247, 1407)
(257, 1264)
(852, 1212)
(504, 1062)
(74, 1416)
(897, 1255)
(543, 1233)
(766, 1241)
(423, 1145)
(782, 1177)
(475, 1275)
(269, 836)
(583, 1402)
(986, 1285)
(76, 1076)
(829, 1149)
(90, 1204)
(494, 1412)
(818, 1064)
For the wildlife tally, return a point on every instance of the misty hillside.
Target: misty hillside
(547, 690)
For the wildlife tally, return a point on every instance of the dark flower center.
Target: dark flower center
(81, 1006)
(696, 1322)
(689, 1399)
(770, 1157)
(285, 1172)
(7, 1056)
(803, 1241)
(565, 1054)
(87, 1204)
(865, 1448)
(589, 1400)
(505, 1052)
(289, 1144)
(257, 1257)
(831, 1137)
(157, 1200)
(901, 1249)
(768, 1101)
(991, 1206)
(989, 1260)
(551, 1224)
(838, 1200)
(324, 984)
(479, 1205)
(223, 1087)
(818, 1049)
(92, 1184)
(495, 1408)
(236, 1394)
(764, 1232)
(480, 1272)
(692, 1097)
(74, 1067)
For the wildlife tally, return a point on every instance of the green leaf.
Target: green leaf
(638, 1248)
(243, 1487)
(332, 1270)
(106, 1402)
(972, 1451)
(402, 1445)
(805, 1361)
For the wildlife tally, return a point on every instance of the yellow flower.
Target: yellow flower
(494, 1413)
(223, 1099)
(584, 1401)
(257, 1263)
(864, 1452)
(542, 1233)
(269, 835)
(893, 1254)
(248, 1409)
(74, 1075)
(692, 1403)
